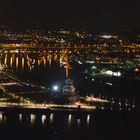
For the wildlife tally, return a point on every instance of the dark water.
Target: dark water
(102, 126)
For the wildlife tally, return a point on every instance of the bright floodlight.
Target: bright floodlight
(55, 88)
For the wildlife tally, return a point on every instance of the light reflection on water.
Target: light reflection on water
(33, 119)
(78, 123)
(19, 61)
(88, 120)
(4, 119)
(20, 117)
(1, 117)
(65, 124)
(43, 119)
(68, 124)
(69, 119)
(51, 117)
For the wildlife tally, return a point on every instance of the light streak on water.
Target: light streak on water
(32, 117)
(69, 119)
(88, 119)
(22, 63)
(78, 123)
(20, 117)
(11, 61)
(51, 117)
(43, 119)
(17, 62)
(1, 117)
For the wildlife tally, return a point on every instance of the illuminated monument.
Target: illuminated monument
(68, 90)
(67, 94)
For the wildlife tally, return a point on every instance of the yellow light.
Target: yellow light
(16, 62)
(137, 70)
(22, 63)
(38, 62)
(11, 61)
(5, 60)
(44, 61)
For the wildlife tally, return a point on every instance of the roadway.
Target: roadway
(50, 106)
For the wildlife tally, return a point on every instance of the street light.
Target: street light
(55, 88)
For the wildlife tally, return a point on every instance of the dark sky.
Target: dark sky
(96, 14)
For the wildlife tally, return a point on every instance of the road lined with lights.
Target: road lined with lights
(92, 99)
(30, 105)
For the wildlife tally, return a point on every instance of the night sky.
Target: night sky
(96, 14)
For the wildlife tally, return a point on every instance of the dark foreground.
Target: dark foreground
(34, 125)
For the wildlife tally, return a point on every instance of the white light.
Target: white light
(93, 67)
(69, 118)
(78, 121)
(116, 74)
(1, 116)
(32, 117)
(43, 118)
(119, 74)
(88, 118)
(55, 88)
(80, 62)
(92, 79)
(102, 108)
(20, 117)
(106, 36)
(109, 72)
(110, 84)
(113, 102)
(51, 117)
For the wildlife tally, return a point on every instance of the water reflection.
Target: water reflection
(1, 117)
(24, 59)
(28, 59)
(20, 117)
(43, 119)
(4, 119)
(52, 121)
(51, 117)
(78, 123)
(88, 120)
(32, 117)
(11, 61)
(5, 59)
(22, 63)
(40, 120)
(69, 119)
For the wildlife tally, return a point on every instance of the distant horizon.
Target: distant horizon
(51, 27)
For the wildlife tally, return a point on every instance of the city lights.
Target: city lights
(69, 69)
